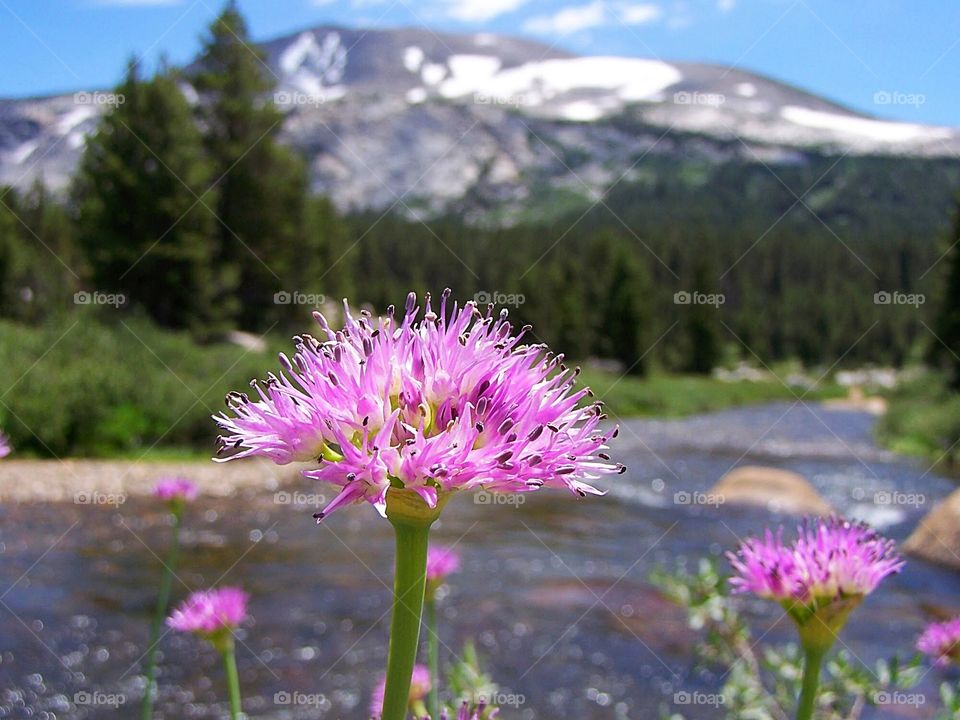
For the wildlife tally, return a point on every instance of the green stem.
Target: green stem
(163, 600)
(233, 679)
(811, 682)
(408, 588)
(433, 657)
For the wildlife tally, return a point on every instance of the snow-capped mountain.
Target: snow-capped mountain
(422, 121)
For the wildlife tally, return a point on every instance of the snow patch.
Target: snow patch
(484, 40)
(413, 58)
(305, 59)
(72, 119)
(745, 89)
(581, 111)
(433, 73)
(22, 152)
(468, 73)
(877, 130)
(416, 95)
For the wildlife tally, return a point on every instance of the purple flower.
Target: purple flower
(419, 689)
(830, 559)
(452, 401)
(175, 489)
(441, 561)
(479, 712)
(210, 612)
(5, 448)
(941, 641)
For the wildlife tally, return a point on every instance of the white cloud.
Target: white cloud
(640, 14)
(726, 5)
(480, 10)
(570, 19)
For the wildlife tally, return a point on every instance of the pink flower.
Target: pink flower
(452, 401)
(175, 489)
(941, 641)
(830, 559)
(441, 561)
(474, 713)
(419, 689)
(210, 612)
(5, 448)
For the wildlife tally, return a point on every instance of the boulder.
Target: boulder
(777, 490)
(937, 538)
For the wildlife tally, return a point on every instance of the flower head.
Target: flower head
(478, 712)
(210, 613)
(941, 641)
(419, 689)
(448, 401)
(175, 489)
(831, 566)
(441, 561)
(5, 448)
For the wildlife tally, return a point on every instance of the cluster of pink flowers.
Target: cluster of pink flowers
(175, 489)
(829, 560)
(941, 641)
(209, 612)
(419, 689)
(452, 400)
(441, 561)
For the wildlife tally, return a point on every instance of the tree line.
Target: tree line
(187, 205)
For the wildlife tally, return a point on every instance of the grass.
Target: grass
(677, 395)
(923, 419)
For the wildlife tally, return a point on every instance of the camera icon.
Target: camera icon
(482, 99)
(282, 98)
(82, 298)
(682, 97)
(682, 298)
(882, 497)
(682, 497)
(483, 298)
(81, 498)
(282, 698)
(882, 298)
(82, 698)
(483, 498)
(882, 97)
(682, 698)
(82, 98)
(282, 498)
(282, 298)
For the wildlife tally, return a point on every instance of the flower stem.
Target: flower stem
(233, 679)
(811, 682)
(433, 657)
(408, 588)
(163, 600)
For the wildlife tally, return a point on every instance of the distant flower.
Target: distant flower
(452, 401)
(441, 561)
(419, 689)
(831, 566)
(174, 489)
(210, 612)
(5, 448)
(941, 641)
(478, 712)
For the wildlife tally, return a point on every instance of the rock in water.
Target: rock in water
(777, 490)
(937, 538)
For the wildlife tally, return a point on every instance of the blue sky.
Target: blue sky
(851, 51)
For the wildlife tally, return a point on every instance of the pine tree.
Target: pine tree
(262, 186)
(702, 321)
(947, 344)
(625, 314)
(142, 193)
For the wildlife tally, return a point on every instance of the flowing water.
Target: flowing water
(553, 590)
